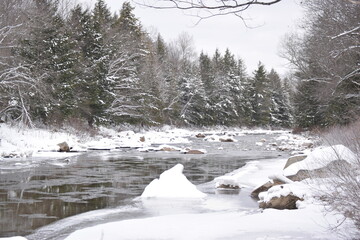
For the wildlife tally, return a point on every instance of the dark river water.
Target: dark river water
(39, 195)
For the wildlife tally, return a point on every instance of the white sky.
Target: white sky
(251, 44)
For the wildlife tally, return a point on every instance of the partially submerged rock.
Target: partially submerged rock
(64, 147)
(275, 180)
(282, 202)
(228, 186)
(169, 149)
(229, 139)
(265, 187)
(194, 151)
(200, 135)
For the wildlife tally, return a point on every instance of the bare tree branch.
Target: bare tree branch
(207, 9)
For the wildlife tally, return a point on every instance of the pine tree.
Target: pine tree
(243, 105)
(206, 73)
(161, 50)
(228, 90)
(96, 56)
(260, 97)
(279, 110)
(48, 50)
(127, 63)
(306, 105)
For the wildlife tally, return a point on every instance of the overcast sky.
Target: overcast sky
(260, 43)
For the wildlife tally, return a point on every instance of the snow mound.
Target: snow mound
(267, 224)
(172, 184)
(252, 175)
(321, 157)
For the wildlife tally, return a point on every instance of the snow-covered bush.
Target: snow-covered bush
(343, 189)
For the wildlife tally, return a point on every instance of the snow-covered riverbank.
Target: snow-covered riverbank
(19, 142)
(310, 221)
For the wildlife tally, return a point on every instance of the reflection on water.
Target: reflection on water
(36, 196)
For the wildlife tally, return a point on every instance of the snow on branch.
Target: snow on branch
(5, 32)
(346, 32)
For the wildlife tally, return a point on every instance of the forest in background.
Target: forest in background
(68, 64)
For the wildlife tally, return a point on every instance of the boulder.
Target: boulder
(324, 172)
(327, 171)
(194, 151)
(64, 147)
(168, 149)
(265, 187)
(284, 148)
(142, 139)
(294, 159)
(300, 175)
(282, 202)
(228, 186)
(200, 135)
(308, 144)
(226, 140)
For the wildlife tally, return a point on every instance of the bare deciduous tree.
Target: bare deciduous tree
(15, 77)
(328, 55)
(207, 9)
(343, 183)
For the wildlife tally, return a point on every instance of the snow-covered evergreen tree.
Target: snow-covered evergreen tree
(127, 59)
(47, 50)
(260, 97)
(279, 108)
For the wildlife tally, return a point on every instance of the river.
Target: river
(50, 198)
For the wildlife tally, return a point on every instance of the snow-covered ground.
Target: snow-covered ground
(310, 221)
(20, 142)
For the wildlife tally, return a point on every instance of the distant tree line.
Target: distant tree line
(61, 64)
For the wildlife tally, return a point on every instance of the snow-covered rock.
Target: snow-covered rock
(217, 138)
(195, 151)
(284, 196)
(293, 159)
(172, 184)
(321, 157)
(252, 175)
(290, 142)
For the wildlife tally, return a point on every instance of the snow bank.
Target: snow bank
(306, 223)
(253, 174)
(24, 142)
(172, 184)
(321, 157)
(13, 238)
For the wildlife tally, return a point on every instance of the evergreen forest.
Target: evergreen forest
(60, 65)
